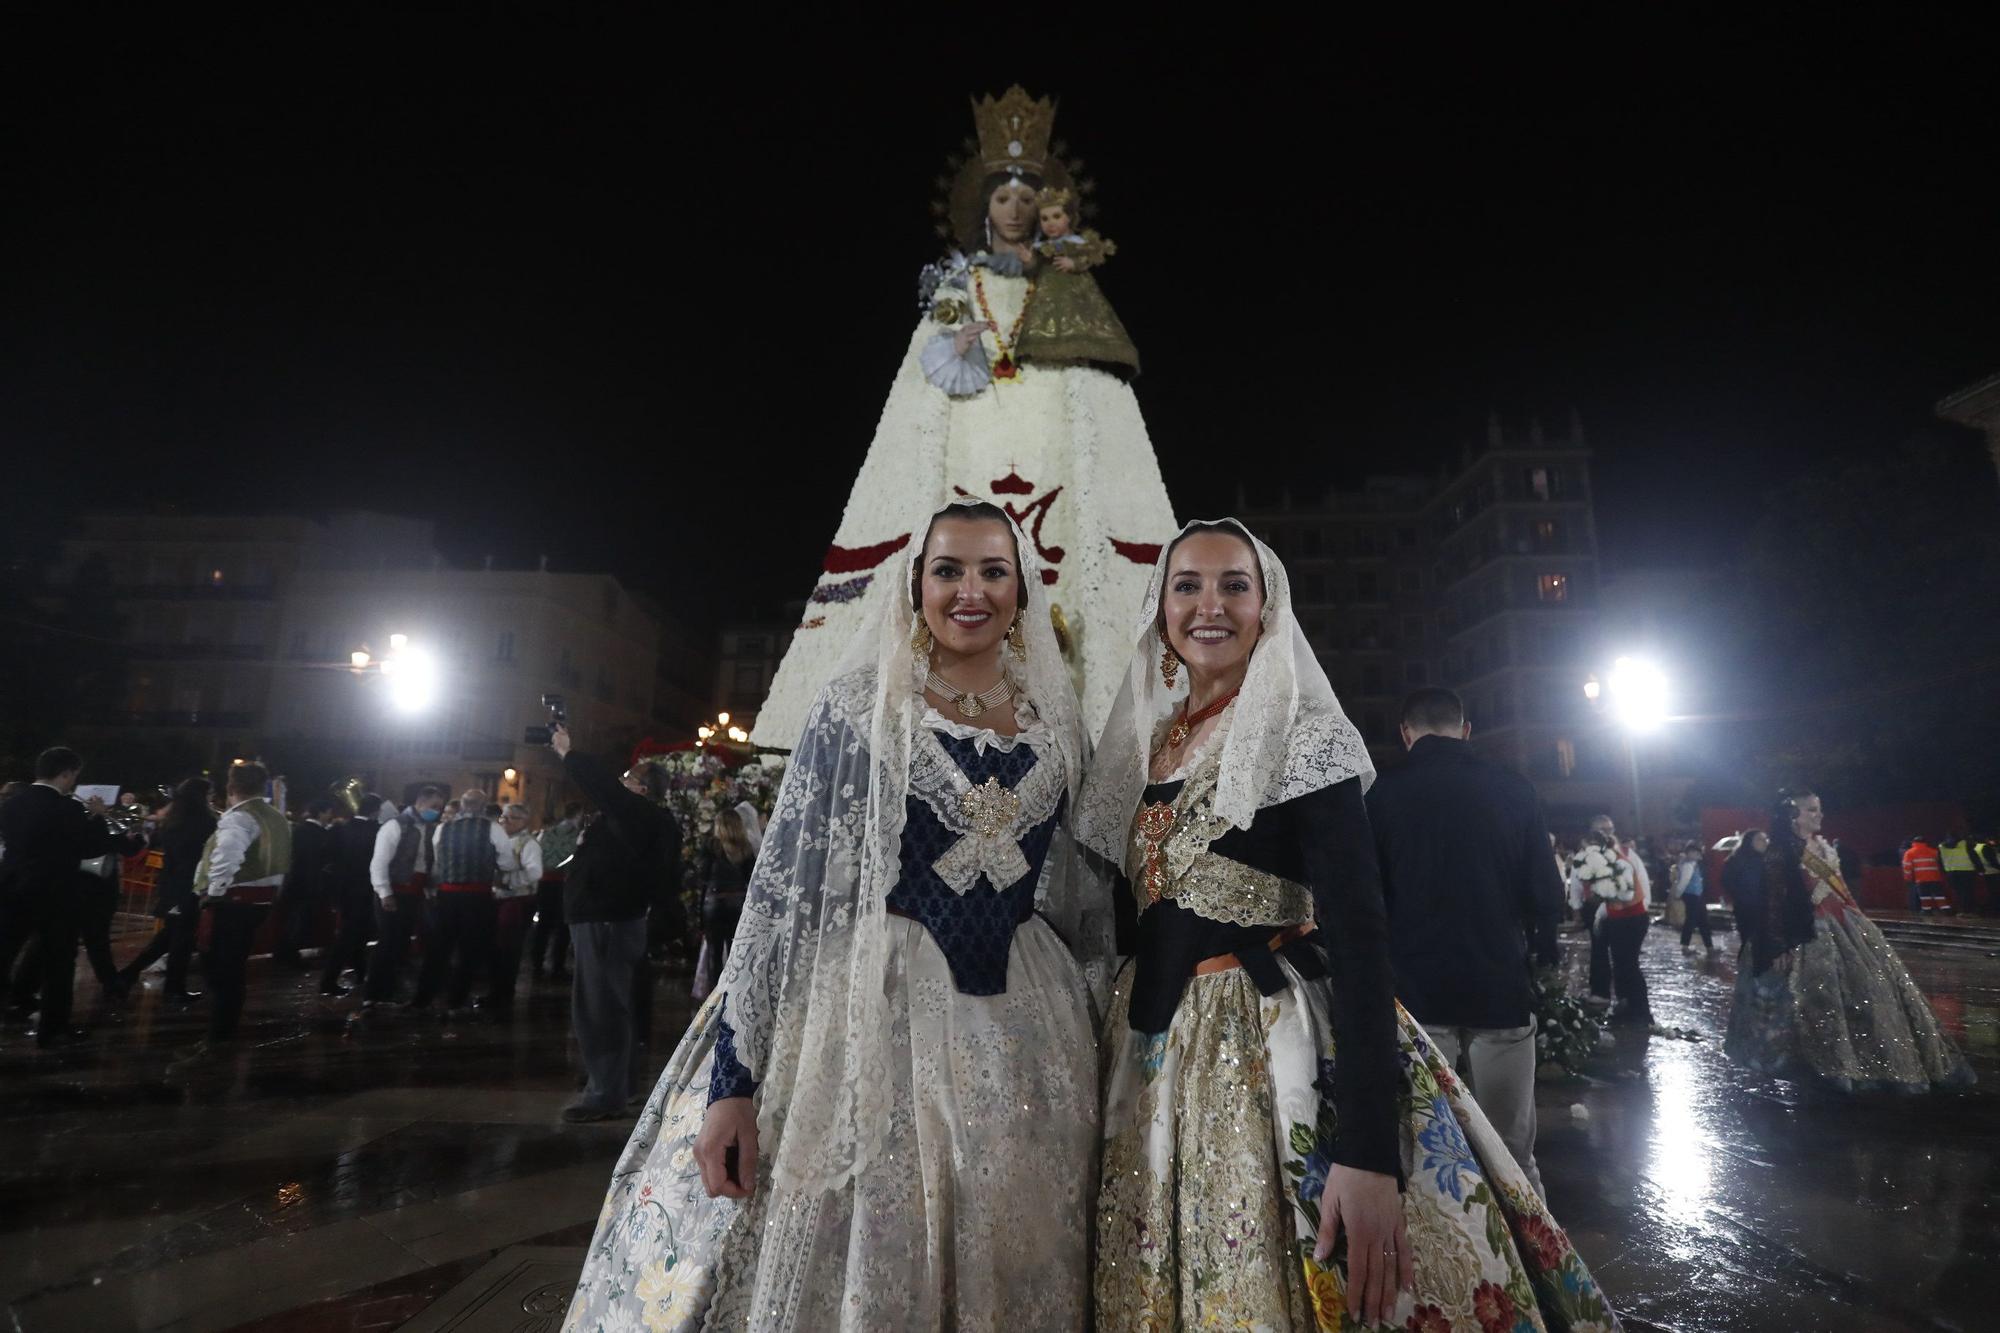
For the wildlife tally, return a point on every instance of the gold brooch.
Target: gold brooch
(1156, 821)
(990, 808)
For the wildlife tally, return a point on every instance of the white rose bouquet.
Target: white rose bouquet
(1604, 874)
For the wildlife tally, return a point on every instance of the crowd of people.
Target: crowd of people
(466, 880)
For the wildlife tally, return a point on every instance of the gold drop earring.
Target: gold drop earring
(1016, 642)
(920, 640)
(1170, 666)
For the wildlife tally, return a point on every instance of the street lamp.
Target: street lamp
(1635, 695)
(1638, 691)
(720, 732)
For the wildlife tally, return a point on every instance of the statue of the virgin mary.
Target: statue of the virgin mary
(1014, 390)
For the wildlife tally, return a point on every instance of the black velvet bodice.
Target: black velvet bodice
(1321, 840)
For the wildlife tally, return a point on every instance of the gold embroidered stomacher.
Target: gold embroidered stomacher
(1168, 858)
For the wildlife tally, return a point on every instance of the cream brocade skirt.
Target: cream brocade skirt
(1216, 1150)
(975, 1218)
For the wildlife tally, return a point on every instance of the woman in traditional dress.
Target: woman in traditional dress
(886, 1116)
(1282, 1144)
(989, 401)
(1819, 993)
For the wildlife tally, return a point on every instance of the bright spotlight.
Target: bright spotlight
(414, 685)
(723, 718)
(1638, 694)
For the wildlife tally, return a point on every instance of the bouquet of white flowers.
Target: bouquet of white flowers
(1604, 874)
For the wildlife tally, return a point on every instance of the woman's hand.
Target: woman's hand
(729, 1124)
(1782, 964)
(961, 341)
(1379, 1265)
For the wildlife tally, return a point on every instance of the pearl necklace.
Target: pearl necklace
(967, 703)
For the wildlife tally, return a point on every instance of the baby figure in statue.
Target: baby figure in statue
(1069, 319)
(1061, 244)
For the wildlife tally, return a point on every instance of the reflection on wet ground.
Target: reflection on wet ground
(322, 1180)
(1707, 1198)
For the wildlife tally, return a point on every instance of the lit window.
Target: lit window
(1552, 587)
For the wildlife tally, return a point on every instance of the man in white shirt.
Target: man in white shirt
(470, 855)
(240, 874)
(399, 871)
(514, 899)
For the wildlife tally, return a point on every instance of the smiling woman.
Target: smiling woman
(886, 1115)
(1266, 1100)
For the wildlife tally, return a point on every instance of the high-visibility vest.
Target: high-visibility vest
(1957, 856)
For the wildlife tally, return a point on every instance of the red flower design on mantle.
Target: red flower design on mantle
(854, 559)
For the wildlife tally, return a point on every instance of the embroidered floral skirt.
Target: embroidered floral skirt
(1216, 1151)
(1848, 1013)
(975, 1219)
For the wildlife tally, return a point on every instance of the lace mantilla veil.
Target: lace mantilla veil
(1287, 732)
(807, 978)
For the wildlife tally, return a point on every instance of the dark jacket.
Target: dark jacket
(1743, 881)
(1470, 882)
(629, 858)
(312, 861)
(180, 847)
(47, 834)
(353, 849)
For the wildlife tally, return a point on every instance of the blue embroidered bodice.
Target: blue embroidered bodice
(974, 930)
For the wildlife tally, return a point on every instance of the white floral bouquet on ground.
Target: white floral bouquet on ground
(1604, 874)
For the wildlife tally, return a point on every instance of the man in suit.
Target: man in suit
(307, 884)
(48, 834)
(353, 897)
(1470, 885)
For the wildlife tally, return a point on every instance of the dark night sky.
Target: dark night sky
(625, 296)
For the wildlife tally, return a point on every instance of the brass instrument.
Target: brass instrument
(349, 791)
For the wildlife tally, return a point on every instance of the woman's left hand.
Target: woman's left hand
(1379, 1265)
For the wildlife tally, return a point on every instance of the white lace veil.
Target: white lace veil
(806, 981)
(1287, 733)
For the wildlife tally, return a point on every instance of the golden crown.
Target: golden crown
(1014, 130)
(1055, 196)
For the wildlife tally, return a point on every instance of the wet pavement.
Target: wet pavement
(327, 1180)
(1704, 1197)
